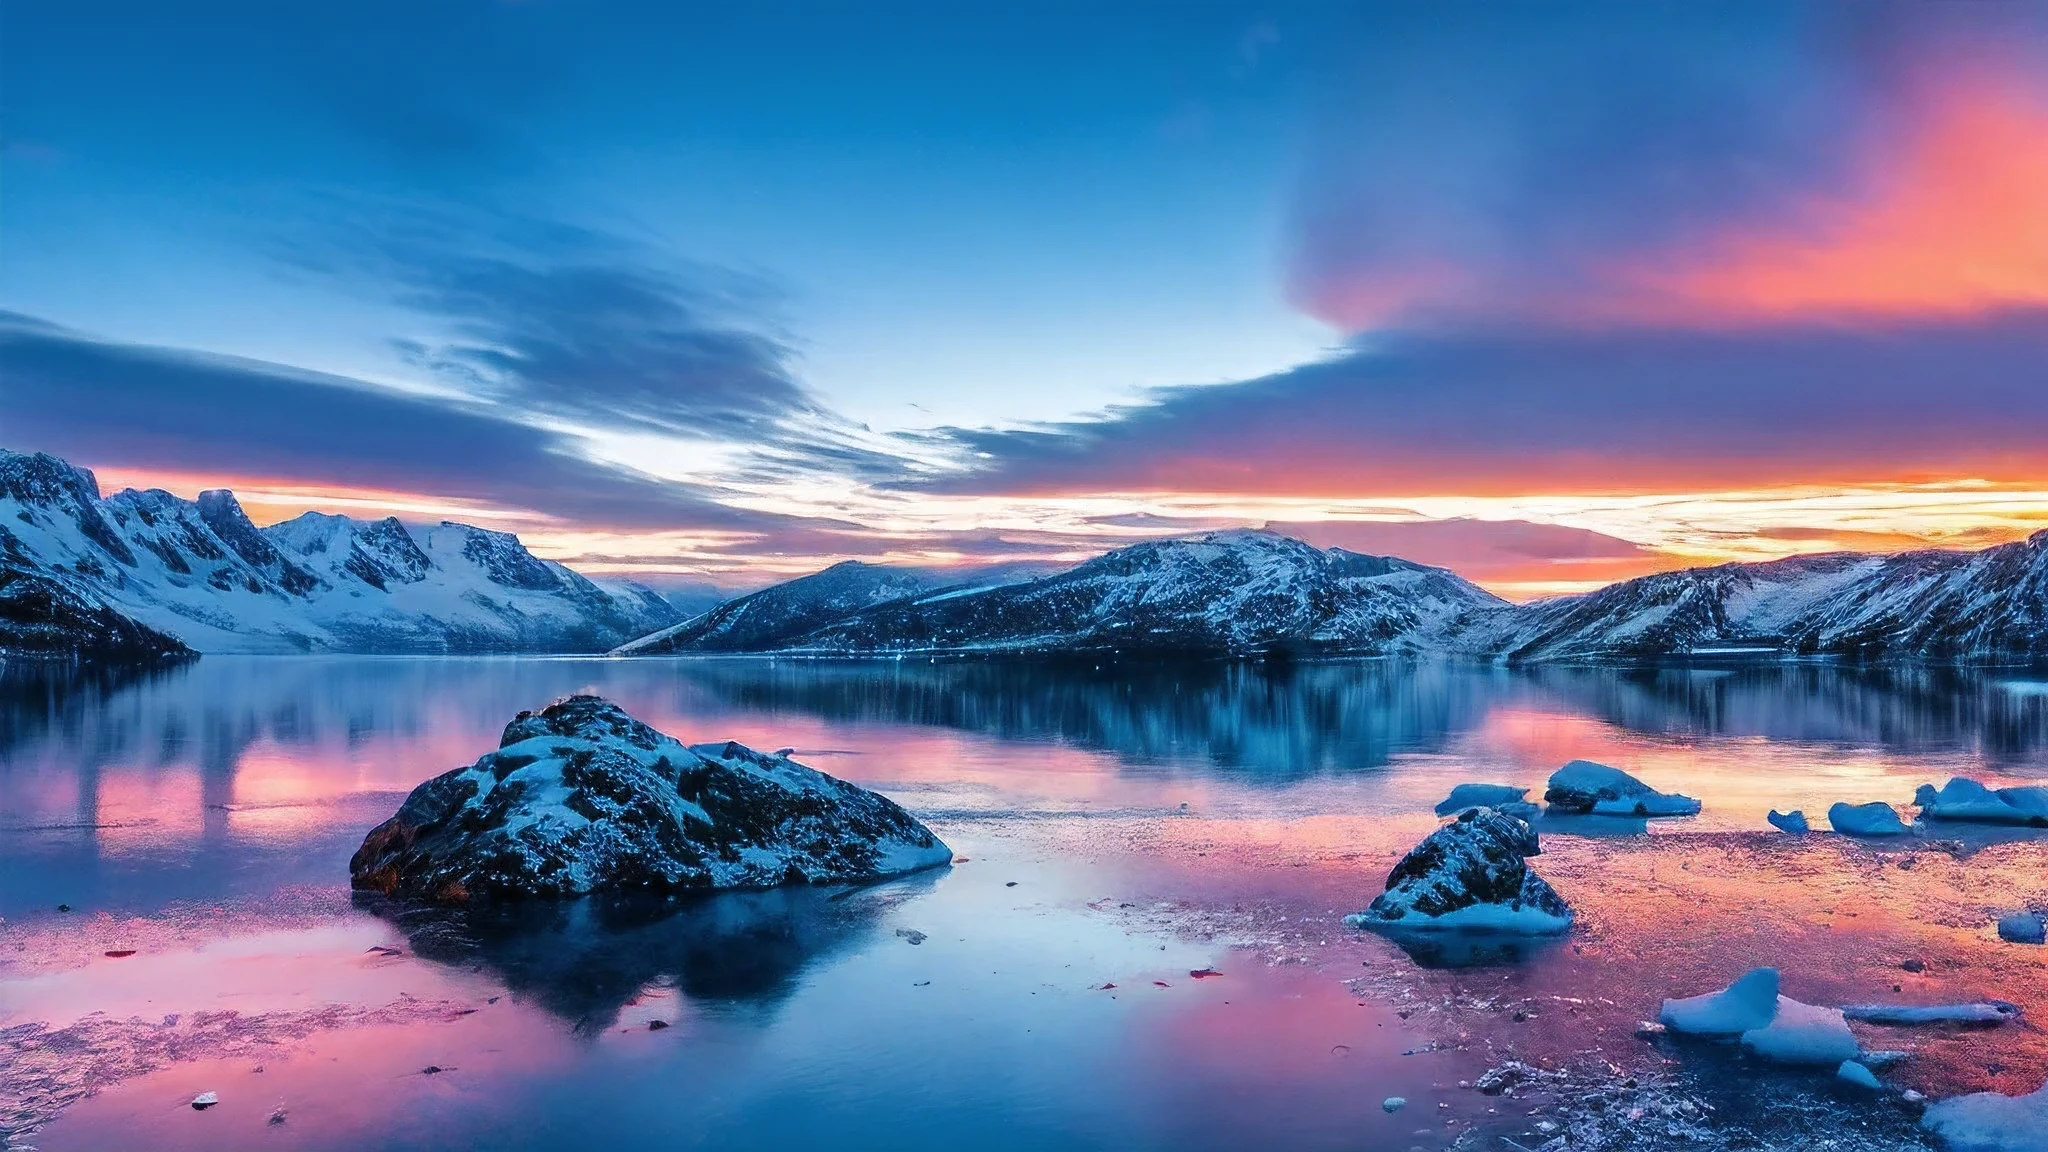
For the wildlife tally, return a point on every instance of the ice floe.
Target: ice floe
(1587, 788)
(1990, 1122)
(1500, 797)
(1469, 874)
(1788, 821)
(1966, 800)
(1872, 819)
(1773, 1026)
(1906, 1015)
(2023, 928)
(1857, 1074)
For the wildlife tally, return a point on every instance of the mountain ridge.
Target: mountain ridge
(202, 575)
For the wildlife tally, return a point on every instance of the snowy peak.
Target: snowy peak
(202, 572)
(1230, 592)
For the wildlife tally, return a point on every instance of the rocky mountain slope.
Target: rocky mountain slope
(784, 612)
(1221, 593)
(201, 574)
(1245, 593)
(1971, 607)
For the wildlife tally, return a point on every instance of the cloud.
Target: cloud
(1675, 164)
(142, 407)
(1569, 411)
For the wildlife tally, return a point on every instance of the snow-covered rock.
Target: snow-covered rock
(1788, 821)
(1499, 797)
(581, 797)
(1990, 1122)
(1469, 874)
(2023, 928)
(1773, 1026)
(1963, 799)
(1585, 787)
(45, 617)
(1873, 819)
(201, 572)
(1747, 1004)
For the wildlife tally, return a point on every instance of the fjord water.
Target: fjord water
(1120, 825)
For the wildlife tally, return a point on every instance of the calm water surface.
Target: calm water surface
(1118, 826)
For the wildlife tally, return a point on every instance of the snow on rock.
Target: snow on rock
(2023, 928)
(1984, 1013)
(1747, 1004)
(1469, 874)
(1990, 1122)
(581, 798)
(1499, 797)
(1585, 787)
(1872, 819)
(1788, 821)
(1963, 799)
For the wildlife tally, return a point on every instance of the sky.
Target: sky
(1551, 294)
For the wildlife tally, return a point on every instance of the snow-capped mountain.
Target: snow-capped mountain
(1225, 592)
(1974, 607)
(1246, 592)
(201, 572)
(781, 613)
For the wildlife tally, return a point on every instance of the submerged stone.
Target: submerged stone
(1469, 874)
(582, 798)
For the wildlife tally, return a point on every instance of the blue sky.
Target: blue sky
(739, 290)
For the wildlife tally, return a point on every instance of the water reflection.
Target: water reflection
(584, 960)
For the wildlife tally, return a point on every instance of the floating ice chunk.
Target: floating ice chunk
(2023, 928)
(205, 1100)
(1788, 821)
(1469, 875)
(1746, 1004)
(1858, 1075)
(1585, 787)
(1770, 1025)
(1990, 1122)
(1872, 819)
(1906, 1015)
(1393, 1104)
(1964, 799)
(1500, 797)
(1803, 1034)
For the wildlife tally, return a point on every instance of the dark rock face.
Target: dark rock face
(582, 798)
(1469, 874)
(42, 617)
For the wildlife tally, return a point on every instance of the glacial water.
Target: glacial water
(177, 920)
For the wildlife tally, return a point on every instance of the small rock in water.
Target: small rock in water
(63, 907)
(432, 1070)
(2023, 928)
(656, 1025)
(911, 935)
(119, 953)
(277, 1116)
(1915, 965)
(1873, 819)
(205, 1100)
(1393, 1104)
(1788, 821)
(1203, 973)
(1469, 874)
(1587, 788)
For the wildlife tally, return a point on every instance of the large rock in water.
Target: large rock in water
(1469, 874)
(583, 798)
